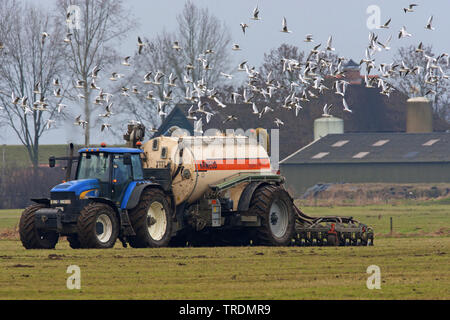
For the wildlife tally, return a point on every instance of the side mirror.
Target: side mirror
(127, 159)
(51, 161)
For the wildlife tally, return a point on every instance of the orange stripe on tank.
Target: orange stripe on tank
(232, 164)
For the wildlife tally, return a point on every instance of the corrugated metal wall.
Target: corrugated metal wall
(299, 177)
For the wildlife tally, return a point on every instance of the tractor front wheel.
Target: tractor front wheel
(31, 237)
(97, 226)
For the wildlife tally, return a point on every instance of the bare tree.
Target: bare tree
(101, 24)
(272, 70)
(197, 51)
(199, 31)
(416, 80)
(30, 60)
(135, 99)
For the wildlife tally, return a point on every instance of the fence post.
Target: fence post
(391, 224)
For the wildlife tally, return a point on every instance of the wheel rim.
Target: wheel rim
(278, 218)
(103, 228)
(156, 221)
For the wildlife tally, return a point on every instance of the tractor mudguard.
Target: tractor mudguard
(247, 194)
(135, 196)
(104, 200)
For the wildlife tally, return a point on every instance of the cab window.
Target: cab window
(121, 176)
(93, 166)
(138, 173)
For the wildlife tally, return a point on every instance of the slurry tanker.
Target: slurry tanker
(178, 190)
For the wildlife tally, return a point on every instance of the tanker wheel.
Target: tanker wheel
(97, 226)
(74, 242)
(275, 209)
(151, 220)
(31, 237)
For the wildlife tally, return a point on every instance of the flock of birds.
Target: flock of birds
(308, 82)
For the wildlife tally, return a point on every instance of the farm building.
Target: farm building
(369, 158)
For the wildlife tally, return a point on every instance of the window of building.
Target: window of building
(430, 142)
(360, 155)
(340, 143)
(380, 143)
(320, 155)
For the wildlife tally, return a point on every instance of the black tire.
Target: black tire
(31, 237)
(142, 222)
(95, 218)
(261, 205)
(74, 242)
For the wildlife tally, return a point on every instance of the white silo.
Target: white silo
(327, 125)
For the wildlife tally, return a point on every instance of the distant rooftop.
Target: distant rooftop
(375, 147)
(351, 65)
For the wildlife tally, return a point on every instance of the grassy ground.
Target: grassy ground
(410, 269)
(427, 218)
(9, 218)
(414, 265)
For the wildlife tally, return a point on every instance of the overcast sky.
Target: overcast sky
(345, 20)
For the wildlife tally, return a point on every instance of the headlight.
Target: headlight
(65, 201)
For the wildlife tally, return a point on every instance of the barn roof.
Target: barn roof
(352, 64)
(375, 148)
(177, 118)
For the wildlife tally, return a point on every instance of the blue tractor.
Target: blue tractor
(93, 209)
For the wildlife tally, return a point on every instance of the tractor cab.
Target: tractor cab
(110, 169)
(102, 173)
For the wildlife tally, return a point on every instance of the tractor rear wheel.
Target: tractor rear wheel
(97, 226)
(151, 220)
(275, 208)
(31, 237)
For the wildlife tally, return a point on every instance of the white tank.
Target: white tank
(200, 161)
(327, 125)
(419, 115)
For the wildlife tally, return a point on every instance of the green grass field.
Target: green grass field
(17, 156)
(408, 219)
(415, 264)
(9, 218)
